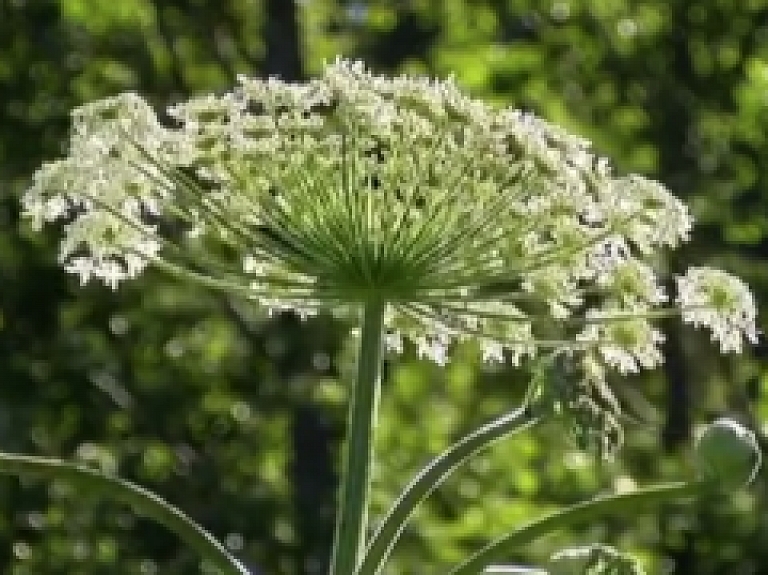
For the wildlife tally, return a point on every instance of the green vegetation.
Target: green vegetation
(236, 417)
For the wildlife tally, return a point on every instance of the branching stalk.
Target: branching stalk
(430, 478)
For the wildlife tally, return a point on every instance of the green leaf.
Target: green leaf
(142, 501)
(621, 504)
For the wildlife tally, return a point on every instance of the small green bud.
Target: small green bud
(727, 453)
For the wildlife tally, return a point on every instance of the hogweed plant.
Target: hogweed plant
(427, 217)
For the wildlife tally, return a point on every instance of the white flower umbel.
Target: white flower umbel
(469, 222)
(626, 344)
(720, 302)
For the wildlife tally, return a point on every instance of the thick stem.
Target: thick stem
(353, 504)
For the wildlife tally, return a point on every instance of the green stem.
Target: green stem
(353, 503)
(639, 500)
(142, 501)
(430, 478)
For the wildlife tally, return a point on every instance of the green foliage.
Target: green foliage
(232, 416)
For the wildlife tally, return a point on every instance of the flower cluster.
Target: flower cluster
(714, 299)
(467, 220)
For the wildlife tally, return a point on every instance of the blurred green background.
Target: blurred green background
(237, 417)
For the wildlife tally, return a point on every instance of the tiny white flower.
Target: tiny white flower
(493, 351)
(433, 347)
(82, 267)
(393, 341)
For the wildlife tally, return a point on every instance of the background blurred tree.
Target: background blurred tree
(234, 416)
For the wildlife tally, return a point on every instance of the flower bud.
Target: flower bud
(727, 454)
